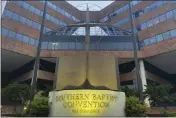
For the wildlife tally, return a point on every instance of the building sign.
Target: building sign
(87, 103)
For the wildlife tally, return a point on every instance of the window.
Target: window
(29, 22)
(159, 3)
(147, 42)
(152, 40)
(173, 33)
(9, 13)
(162, 17)
(19, 37)
(16, 17)
(169, 15)
(47, 16)
(4, 32)
(143, 26)
(44, 45)
(20, 3)
(25, 5)
(149, 23)
(32, 41)
(31, 8)
(166, 35)
(25, 39)
(159, 37)
(156, 20)
(37, 11)
(22, 20)
(11, 34)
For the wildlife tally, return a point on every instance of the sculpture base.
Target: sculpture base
(87, 102)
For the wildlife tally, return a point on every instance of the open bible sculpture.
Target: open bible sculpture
(94, 72)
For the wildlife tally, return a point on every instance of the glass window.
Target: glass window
(169, 15)
(4, 32)
(47, 16)
(31, 8)
(25, 5)
(9, 13)
(32, 41)
(20, 3)
(44, 45)
(36, 43)
(152, 40)
(173, 33)
(162, 17)
(149, 23)
(29, 22)
(159, 37)
(19, 37)
(166, 35)
(159, 3)
(16, 17)
(25, 39)
(22, 20)
(147, 42)
(51, 45)
(143, 26)
(11, 34)
(37, 11)
(156, 20)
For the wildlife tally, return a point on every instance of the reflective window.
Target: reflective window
(44, 45)
(152, 40)
(169, 15)
(29, 22)
(4, 32)
(159, 37)
(25, 5)
(25, 39)
(11, 34)
(166, 35)
(19, 37)
(162, 17)
(9, 13)
(173, 33)
(156, 20)
(31, 8)
(32, 41)
(22, 20)
(16, 17)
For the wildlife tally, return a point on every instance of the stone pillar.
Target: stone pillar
(143, 79)
(3, 4)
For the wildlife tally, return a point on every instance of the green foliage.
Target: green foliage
(134, 108)
(39, 108)
(160, 94)
(165, 113)
(16, 93)
(48, 88)
(129, 92)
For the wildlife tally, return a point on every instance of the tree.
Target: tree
(15, 93)
(129, 92)
(160, 94)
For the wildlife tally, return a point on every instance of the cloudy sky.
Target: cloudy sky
(100, 4)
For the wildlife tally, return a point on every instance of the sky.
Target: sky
(100, 4)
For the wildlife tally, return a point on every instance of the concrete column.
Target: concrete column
(3, 4)
(143, 79)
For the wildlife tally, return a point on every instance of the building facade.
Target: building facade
(154, 21)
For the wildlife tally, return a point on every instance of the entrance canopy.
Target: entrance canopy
(102, 37)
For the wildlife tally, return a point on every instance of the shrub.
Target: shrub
(39, 107)
(134, 108)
